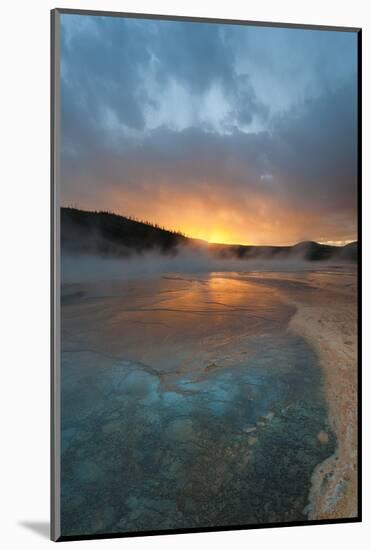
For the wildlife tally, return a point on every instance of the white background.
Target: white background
(24, 219)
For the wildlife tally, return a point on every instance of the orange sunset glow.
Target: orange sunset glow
(222, 218)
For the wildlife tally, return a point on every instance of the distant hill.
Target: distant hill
(306, 250)
(350, 252)
(107, 234)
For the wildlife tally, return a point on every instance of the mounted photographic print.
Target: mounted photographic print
(205, 251)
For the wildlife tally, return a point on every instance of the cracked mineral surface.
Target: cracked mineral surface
(191, 402)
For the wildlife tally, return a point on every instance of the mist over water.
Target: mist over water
(89, 268)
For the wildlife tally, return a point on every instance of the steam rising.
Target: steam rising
(90, 268)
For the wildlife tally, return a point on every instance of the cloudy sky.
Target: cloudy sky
(236, 134)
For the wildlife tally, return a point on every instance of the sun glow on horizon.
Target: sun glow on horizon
(338, 243)
(226, 226)
(225, 236)
(214, 236)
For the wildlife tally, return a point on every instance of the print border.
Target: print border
(55, 531)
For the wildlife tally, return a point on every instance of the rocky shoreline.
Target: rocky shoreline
(327, 318)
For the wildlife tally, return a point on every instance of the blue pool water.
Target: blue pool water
(186, 403)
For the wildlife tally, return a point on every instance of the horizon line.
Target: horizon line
(333, 243)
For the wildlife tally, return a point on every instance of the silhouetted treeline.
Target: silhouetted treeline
(108, 234)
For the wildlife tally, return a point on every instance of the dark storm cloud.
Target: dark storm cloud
(316, 150)
(100, 68)
(106, 63)
(134, 128)
(198, 56)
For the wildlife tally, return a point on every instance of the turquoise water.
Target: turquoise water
(219, 429)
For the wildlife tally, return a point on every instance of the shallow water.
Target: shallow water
(186, 403)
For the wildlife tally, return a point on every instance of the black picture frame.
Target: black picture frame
(55, 267)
